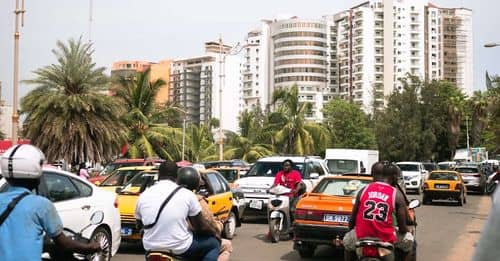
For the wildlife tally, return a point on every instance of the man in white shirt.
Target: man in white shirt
(171, 233)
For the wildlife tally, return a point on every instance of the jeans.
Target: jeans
(205, 248)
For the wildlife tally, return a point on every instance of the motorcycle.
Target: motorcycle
(373, 249)
(52, 252)
(491, 184)
(278, 213)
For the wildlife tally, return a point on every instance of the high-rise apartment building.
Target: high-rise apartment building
(195, 85)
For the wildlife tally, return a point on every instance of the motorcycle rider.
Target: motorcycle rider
(191, 179)
(166, 230)
(22, 231)
(376, 207)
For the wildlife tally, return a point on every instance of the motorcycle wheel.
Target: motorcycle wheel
(102, 236)
(230, 226)
(274, 228)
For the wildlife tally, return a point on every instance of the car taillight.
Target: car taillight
(426, 186)
(370, 251)
(313, 215)
(116, 203)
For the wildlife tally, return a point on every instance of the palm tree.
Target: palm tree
(68, 115)
(294, 134)
(479, 106)
(148, 135)
(200, 144)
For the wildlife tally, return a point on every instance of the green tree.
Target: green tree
(200, 145)
(347, 125)
(68, 115)
(478, 105)
(148, 133)
(295, 135)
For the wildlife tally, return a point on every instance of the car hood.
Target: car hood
(255, 182)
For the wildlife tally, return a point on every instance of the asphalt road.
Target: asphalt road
(444, 232)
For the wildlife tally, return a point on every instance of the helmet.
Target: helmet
(189, 177)
(22, 162)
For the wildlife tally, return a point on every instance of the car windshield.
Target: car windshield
(229, 174)
(116, 165)
(467, 170)
(443, 176)
(340, 187)
(342, 166)
(270, 169)
(140, 179)
(408, 167)
(120, 177)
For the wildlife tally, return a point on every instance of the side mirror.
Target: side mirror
(314, 175)
(118, 190)
(363, 170)
(415, 203)
(97, 218)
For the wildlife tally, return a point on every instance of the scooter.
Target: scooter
(373, 249)
(52, 252)
(278, 213)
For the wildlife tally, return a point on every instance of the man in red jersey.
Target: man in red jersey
(289, 178)
(377, 207)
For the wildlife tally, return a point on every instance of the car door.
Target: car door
(220, 202)
(71, 198)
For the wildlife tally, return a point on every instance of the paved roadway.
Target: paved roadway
(444, 232)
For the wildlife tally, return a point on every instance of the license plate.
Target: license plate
(442, 186)
(336, 218)
(126, 231)
(256, 204)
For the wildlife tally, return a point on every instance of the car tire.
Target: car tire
(230, 226)
(306, 250)
(102, 236)
(426, 200)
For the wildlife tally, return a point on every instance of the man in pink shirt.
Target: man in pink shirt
(288, 177)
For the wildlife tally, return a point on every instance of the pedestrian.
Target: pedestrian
(25, 218)
(82, 172)
(163, 210)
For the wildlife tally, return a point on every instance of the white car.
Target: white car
(414, 174)
(76, 200)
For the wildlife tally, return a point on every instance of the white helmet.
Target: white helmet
(22, 162)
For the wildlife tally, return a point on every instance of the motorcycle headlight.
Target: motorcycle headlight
(275, 202)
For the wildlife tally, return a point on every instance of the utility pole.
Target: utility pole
(15, 117)
(221, 76)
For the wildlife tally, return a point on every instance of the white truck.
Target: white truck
(350, 160)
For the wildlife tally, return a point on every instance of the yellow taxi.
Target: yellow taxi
(445, 184)
(322, 216)
(231, 174)
(122, 176)
(215, 189)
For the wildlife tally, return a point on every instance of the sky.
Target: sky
(154, 30)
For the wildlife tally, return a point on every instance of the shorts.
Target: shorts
(350, 240)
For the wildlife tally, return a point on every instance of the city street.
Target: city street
(444, 232)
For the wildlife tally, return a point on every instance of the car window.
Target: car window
(342, 166)
(59, 187)
(467, 170)
(223, 182)
(408, 167)
(120, 177)
(340, 187)
(271, 168)
(443, 176)
(229, 174)
(215, 183)
(85, 190)
(317, 168)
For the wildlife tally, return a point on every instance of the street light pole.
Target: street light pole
(183, 135)
(221, 77)
(467, 129)
(15, 116)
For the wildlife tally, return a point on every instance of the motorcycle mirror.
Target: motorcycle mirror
(353, 201)
(414, 204)
(97, 217)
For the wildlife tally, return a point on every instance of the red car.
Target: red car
(123, 163)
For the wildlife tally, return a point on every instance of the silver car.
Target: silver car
(474, 179)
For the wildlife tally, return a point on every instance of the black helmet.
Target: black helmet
(189, 178)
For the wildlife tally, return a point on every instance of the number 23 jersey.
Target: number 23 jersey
(375, 212)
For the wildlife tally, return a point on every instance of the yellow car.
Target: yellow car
(231, 174)
(216, 189)
(122, 176)
(444, 184)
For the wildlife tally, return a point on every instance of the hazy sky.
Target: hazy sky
(158, 29)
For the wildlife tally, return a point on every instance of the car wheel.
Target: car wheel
(230, 226)
(102, 236)
(306, 250)
(465, 197)
(426, 200)
(274, 228)
(460, 201)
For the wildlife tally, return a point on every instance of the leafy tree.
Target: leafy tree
(478, 105)
(200, 145)
(295, 135)
(148, 133)
(68, 116)
(347, 125)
